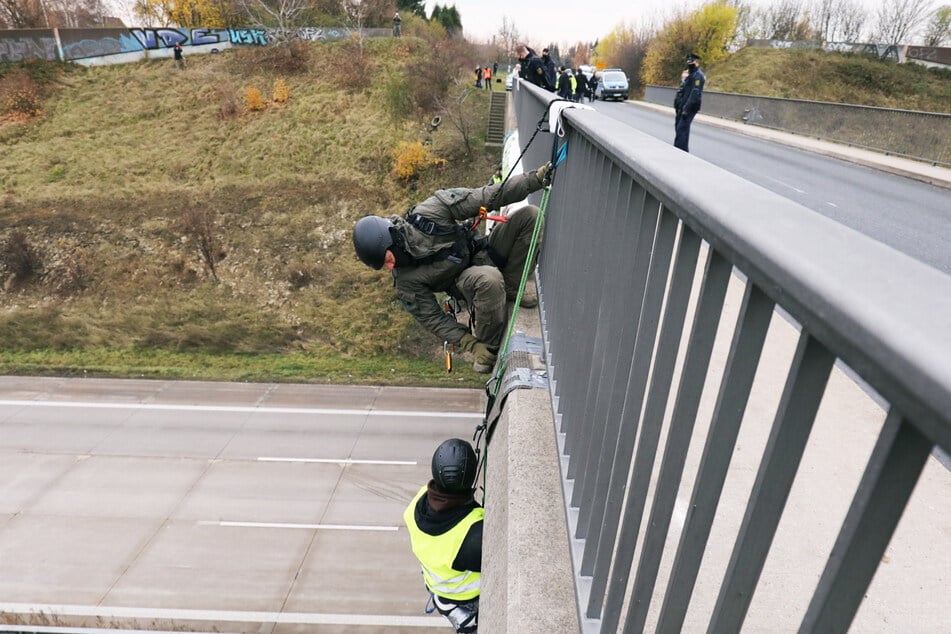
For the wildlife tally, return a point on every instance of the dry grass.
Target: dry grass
(99, 186)
(835, 77)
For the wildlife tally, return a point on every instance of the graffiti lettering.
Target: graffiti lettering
(310, 34)
(23, 48)
(206, 36)
(148, 38)
(933, 54)
(319, 34)
(248, 36)
(92, 48)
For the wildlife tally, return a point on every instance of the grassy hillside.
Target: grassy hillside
(835, 77)
(107, 195)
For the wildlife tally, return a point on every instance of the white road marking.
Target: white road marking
(306, 618)
(326, 527)
(832, 204)
(795, 189)
(243, 409)
(338, 461)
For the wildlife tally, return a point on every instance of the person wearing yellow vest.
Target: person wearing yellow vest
(445, 529)
(497, 177)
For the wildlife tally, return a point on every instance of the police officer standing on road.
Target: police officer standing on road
(445, 529)
(689, 102)
(433, 248)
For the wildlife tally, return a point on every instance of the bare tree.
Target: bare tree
(508, 36)
(23, 14)
(938, 30)
(853, 19)
(280, 17)
(357, 14)
(452, 107)
(899, 19)
(75, 13)
(837, 20)
(746, 23)
(786, 20)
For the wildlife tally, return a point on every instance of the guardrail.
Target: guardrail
(628, 254)
(924, 136)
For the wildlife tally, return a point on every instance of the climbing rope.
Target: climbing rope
(494, 384)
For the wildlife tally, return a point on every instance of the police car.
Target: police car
(612, 84)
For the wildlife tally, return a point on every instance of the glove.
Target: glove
(479, 350)
(467, 343)
(543, 174)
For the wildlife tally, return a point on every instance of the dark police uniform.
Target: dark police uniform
(533, 70)
(692, 88)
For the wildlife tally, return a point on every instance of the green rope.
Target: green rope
(500, 369)
(526, 273)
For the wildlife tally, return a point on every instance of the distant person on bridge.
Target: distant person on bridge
(550, 72)
(532, 67)
(445, 529)
(692, 86)
(397, 22)
(434, 247)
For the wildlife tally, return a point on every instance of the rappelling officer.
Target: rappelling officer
(432, 248)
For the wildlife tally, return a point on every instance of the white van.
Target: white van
(612, 84)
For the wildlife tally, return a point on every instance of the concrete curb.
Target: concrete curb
(527, 575)
(931, 174)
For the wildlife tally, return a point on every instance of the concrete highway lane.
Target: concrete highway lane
(216, 506)
(908, 215)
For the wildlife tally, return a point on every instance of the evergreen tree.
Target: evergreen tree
(448, 17)
(416, 7)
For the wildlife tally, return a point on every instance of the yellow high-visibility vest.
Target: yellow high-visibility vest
(437, 552)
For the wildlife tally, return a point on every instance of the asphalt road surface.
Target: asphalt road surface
(910, 216)
(218, 507)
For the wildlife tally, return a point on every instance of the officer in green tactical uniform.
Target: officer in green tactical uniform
(445, 529)
(432, 248)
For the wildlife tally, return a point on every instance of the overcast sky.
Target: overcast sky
(542, 22)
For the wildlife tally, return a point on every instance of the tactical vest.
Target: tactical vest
(426, 242)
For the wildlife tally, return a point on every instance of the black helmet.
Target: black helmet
(454, 466)
(371, 239)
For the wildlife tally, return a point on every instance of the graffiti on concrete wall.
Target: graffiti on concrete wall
(320, 34)
(250, 37)
(19, 45)
(78, 44)
(85, 44)
(933, 54)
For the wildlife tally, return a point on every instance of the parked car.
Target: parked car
(612, 84)
(509, 81)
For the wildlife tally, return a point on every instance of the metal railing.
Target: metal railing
(622, 264)
(924, 136)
